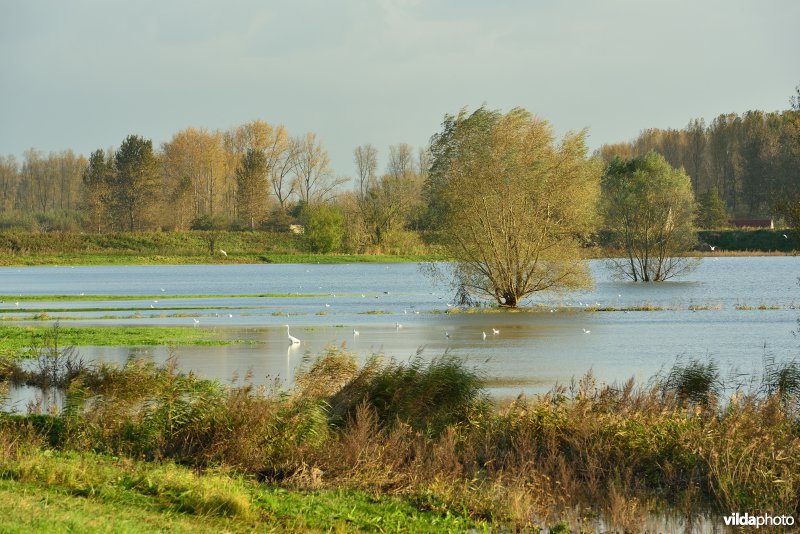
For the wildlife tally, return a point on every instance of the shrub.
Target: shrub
(695, 381)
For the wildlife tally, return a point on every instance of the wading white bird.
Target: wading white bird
(355, 332)
(495, 331)
(484, 335)
(447, 335)
(398, 326)
(223, 253)
(587, 331)
(196, 321)
(293, 340)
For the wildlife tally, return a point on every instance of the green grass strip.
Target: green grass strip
(16, 337)
(56, 298)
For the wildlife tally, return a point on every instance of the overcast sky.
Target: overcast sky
(85, 74)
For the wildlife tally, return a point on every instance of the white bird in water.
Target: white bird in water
(587, 331)
(484, 335)
(398, 326)
(162, 289)
(495, 331)
(196, 321)
(230, 316)
(223, 253)
(355, 332)
(293, 340)
(327, 305)
(447, 335)
(785, 236)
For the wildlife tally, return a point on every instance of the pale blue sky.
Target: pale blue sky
(85, 74)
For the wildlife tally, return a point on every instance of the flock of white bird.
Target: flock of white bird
(294, 341)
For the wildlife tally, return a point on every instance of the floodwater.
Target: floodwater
(735, 310)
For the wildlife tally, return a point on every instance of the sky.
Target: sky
(84, 75)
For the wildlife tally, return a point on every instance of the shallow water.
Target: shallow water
(531, 352)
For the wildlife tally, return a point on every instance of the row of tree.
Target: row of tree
(241, 176)
(751, 160)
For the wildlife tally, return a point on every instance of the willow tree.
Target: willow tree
(510, 205)
(649, 210)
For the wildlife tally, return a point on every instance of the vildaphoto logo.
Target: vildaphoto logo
(758, 521)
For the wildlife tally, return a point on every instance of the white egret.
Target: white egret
(196, 321)
(785, 236)
(447, 335)
(230, 316)
(495, 331)
(293, 340)
(398, 326)
(484, 335)
(223, 253)
(355, 332)
(587, 331)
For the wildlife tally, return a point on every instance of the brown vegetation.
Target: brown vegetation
(426, 430)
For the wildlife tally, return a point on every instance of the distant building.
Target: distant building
(752, 223)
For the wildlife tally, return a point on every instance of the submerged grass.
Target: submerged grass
(161, 296)
(16, 337)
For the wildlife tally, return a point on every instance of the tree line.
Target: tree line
(258, 176)
(752, 161)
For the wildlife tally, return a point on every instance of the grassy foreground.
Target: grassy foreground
(42, 490)
(390, 443)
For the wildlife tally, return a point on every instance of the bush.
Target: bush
(428, 395)
(695, 381)
(324, 227)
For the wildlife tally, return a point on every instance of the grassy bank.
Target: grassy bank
(423, 432)
(156, 248)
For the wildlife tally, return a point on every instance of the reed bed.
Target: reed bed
(583, 455)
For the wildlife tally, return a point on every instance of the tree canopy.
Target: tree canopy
(649, 209)
(510, 205)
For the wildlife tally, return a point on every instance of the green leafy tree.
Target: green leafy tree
(135, 186)
(711, 211)
(649, 209)
(510, 205)
(324, 227)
